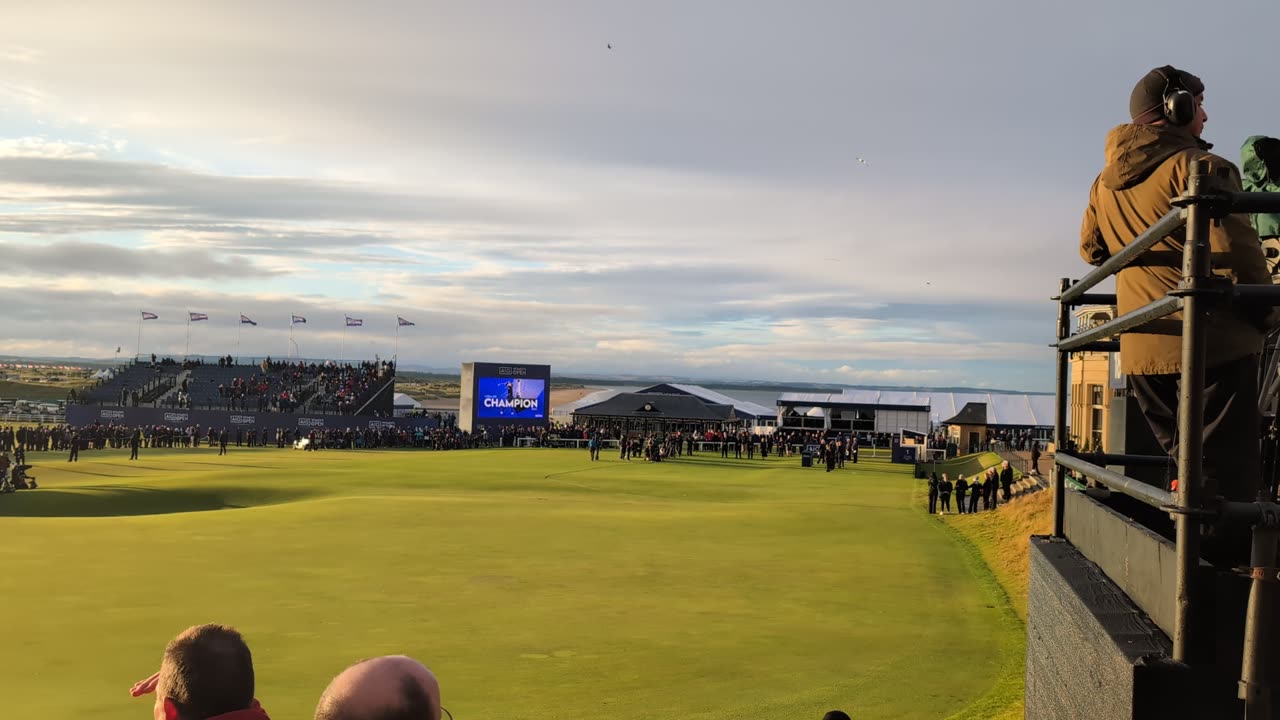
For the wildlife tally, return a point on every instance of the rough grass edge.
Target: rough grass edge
(1004, 699)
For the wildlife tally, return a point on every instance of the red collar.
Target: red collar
(253, 712)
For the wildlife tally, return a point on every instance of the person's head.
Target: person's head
(206, 671)
(392, 687)
(836, 715)
(1148, 101)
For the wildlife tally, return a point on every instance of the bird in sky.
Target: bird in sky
(863, 161)
(609, 45)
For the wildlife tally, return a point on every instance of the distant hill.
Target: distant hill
(35, 392)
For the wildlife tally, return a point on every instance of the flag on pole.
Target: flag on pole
(244, 320)
(197, 317)
(355, 322)
(403, 322)
(149, 316)
(299, 319)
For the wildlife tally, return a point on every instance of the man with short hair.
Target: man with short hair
(206, 674)
(393, 687)
(1148, 162)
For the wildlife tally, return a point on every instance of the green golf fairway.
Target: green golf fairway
(535, 583)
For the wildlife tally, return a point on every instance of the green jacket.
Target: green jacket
(1260, 166)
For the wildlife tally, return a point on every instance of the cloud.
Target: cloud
(40, 147)
(682, 203)
(97, 259)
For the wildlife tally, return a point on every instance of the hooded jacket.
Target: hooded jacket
(1260, 163)
(1146, 167)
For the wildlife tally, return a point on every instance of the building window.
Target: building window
(1095, 395)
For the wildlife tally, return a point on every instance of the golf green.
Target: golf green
(537, 584)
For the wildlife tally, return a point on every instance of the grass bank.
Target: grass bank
(998, 541)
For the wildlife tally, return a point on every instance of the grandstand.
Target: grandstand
(265, 385)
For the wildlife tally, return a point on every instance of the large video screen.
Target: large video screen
(511, 398)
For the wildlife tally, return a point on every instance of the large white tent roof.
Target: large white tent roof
(401, 400)
(742, 407)
(1019, 409)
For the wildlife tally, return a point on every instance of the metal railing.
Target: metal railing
(1194, 211)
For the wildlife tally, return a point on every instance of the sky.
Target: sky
(689, 202)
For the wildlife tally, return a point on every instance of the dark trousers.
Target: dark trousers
(933, 503)
(960, 501)
(133, 452)
(1232, 424)
(946, 502)
(973, 501)
(75, 453)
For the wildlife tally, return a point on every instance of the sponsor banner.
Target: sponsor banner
(382, 425)
(176, 418)
(111, 414)
(243, 420)
(309, 422)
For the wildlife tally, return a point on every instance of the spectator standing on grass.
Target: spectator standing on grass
(944, 494)
(962, 489)
(975, 492)
(135, 442)
(1006, 480)
(933, 493)
(993, 486)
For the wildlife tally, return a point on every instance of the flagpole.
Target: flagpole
(186, 355)
(139, 349)
(239, 327)
(289, 350)
(342, 355)
(395, 357)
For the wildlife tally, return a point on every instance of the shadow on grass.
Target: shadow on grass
(122, 500)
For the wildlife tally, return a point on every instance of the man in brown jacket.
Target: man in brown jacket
(1148, 162)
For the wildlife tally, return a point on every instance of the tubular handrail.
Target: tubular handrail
(1252, 202)
(1171, 221)
(1153, 310)
(1136, 489)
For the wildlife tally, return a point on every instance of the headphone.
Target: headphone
(1179, 105)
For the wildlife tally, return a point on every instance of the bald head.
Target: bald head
(393, 687)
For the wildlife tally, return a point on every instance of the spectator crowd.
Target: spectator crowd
(207, 673)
